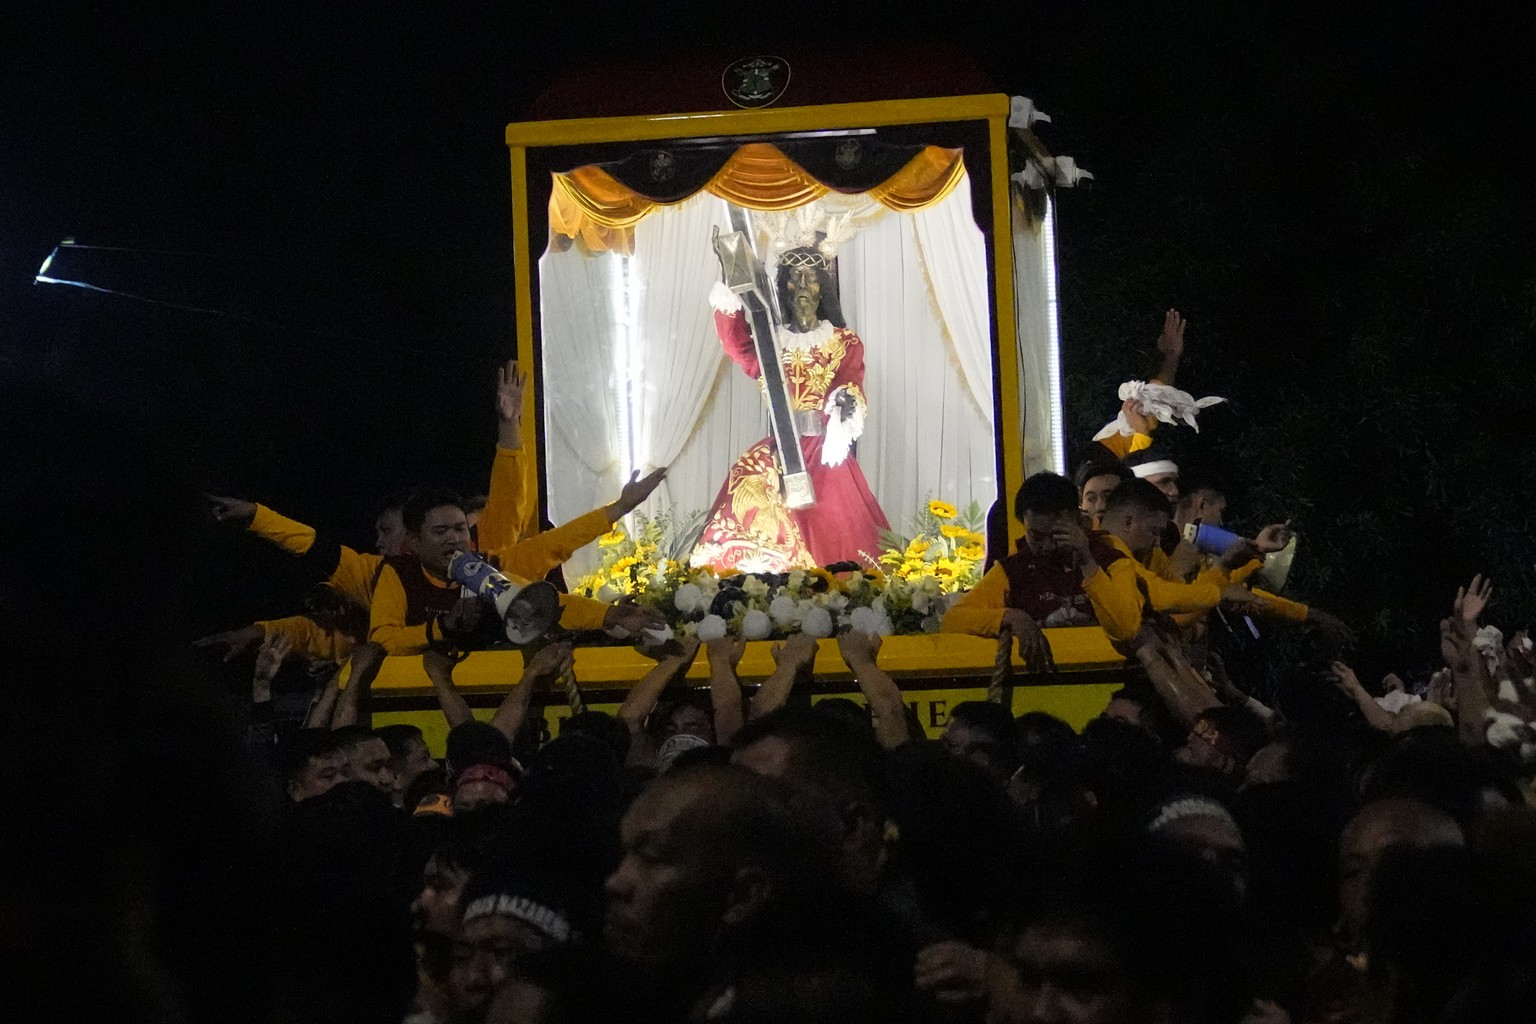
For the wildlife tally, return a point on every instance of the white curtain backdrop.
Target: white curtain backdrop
(580, 430)
(635, 377)
(632, 344)
(929, 432)
(954, 258)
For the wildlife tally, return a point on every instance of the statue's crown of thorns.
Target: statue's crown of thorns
(806, 237)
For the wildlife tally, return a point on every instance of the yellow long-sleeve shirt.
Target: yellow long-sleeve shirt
(979, 611)
(1124, 444)
(355, 572)
(509, 514)
(400, 624)
(1184, 601)
(1272, 604)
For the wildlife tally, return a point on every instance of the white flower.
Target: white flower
(816, 621)
(755, 625)
(871, 620)
(832, 601)
(796, 581)
(689, 599)
(607, 594)
(711, 627)
(785, 611)
(754, 588)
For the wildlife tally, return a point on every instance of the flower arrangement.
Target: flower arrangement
(947, 546)
(920, 578)
(634, 564)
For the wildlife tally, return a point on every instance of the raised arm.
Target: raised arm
(860, 653)
(731, 324)
(509, 510)
(536, 556)
(794, 660)
(363, 670)
(323, 708)
(439, 669)
(1376, 716)
(268, 660)
(642, 698)
(349, 571)
(1469, 672)
(541, 669)
(725, 686)
(1170, 347)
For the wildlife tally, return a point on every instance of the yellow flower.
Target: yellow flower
(954, 532)
(608, 540)
(623, 565)
(972, 552)
(918, 548)
(945, 567)
(941, 510)
(976, 538)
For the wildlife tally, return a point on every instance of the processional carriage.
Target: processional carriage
(652, 211)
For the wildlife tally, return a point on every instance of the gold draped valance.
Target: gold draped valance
(591, 207)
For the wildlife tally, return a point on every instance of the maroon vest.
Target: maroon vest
(1040, 587)
(423, 599)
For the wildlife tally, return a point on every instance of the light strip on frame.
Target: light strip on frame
(1053, 354)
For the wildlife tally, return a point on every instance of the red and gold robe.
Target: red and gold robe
(749, 528)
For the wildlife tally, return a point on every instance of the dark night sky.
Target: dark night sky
(339, 170)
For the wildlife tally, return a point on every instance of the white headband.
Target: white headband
(1190, 807)
(1147, 469)
(550, 922)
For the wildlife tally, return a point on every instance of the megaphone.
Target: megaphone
(1277, 566)
(1210, 540)
(527, 609)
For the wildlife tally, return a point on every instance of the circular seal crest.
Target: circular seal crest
(663, 165)
(755, 81)
(849, 154)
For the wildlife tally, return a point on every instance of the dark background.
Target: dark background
(1339, 200)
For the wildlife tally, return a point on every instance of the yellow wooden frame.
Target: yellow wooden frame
(948, 655)
(992, 108)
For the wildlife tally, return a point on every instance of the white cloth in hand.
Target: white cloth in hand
(1165, 403)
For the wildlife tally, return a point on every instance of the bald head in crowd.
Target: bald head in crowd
(704, 850)
(837, 767)
(1379, 826)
